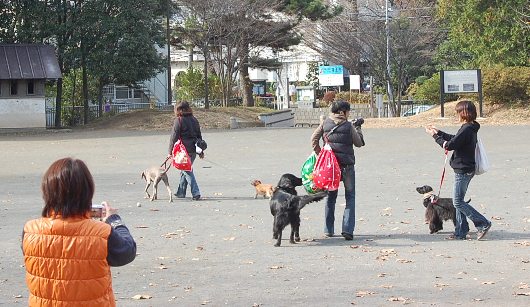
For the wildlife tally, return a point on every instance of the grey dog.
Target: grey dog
(153, 176)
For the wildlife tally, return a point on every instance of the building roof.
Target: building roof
(28, 61)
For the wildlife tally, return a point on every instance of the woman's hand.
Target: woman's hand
(432, 130)
(201, 155)
(108, 210)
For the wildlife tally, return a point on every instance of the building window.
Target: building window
(122, 92)
(14, 90)
(31, 87)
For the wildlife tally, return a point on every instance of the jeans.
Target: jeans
(188, 177)
(463, 209)
(348, 219)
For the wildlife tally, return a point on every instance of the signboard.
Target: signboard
(461, 81)
(355, 82)
(331, 75)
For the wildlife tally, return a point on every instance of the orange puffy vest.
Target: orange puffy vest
(66, 262)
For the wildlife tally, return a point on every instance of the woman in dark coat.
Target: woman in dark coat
(187, 128)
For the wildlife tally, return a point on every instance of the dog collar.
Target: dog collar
(431, 197)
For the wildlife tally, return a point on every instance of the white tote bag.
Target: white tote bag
(482, 164)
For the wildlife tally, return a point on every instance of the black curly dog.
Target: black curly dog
(437, 209)
(285, 206)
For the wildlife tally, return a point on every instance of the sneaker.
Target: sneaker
(347, 236)
(198, 197)
(483, 232)
(179, 196)
(327, 234)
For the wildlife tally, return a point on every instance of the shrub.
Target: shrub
(329, 97)
(353, 97)
(506, 85)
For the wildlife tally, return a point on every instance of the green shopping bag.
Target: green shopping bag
(307, 174)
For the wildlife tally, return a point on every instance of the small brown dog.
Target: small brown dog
(154, 175)
(262, 189)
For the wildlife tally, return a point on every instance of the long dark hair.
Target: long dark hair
(67, 189)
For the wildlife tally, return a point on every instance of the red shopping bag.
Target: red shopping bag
(326, 174)
(181, 158)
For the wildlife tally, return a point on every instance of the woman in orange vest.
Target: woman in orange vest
(68, 254)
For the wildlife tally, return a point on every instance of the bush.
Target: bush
(506, 85)
(329, 97)
(353, 97)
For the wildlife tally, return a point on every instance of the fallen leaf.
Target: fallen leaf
(364, 293)
(440, 285)
(354, 246)
(488, 283)
(404, 261)
(18, 296)
(142, 226)
(154, 209)
(141, 297)
(229, 239)
(205, 302)
(478, 299)
(523, 293)
(523, 286)
(276, 267)
(387, 286)
(398, 299)
(199, 248)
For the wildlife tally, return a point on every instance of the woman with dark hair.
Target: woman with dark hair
(342, 135)
(462, 161)
(187, 128)
(67, 254)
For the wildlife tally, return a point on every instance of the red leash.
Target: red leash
(442, 179)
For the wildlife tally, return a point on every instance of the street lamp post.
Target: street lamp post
(388, 70)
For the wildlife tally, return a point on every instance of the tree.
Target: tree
(358, 41)
(484, 33)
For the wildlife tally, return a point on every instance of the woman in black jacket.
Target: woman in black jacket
(462, 161)
(187, 128)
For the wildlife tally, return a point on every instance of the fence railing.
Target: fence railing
(74, 116)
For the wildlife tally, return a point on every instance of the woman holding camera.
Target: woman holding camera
(342, 136)
(67, 254)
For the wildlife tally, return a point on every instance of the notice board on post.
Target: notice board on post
(331, 75)
(460, 81)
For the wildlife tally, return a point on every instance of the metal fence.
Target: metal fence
(74, 116)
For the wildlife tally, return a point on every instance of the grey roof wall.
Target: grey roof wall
(28, 61)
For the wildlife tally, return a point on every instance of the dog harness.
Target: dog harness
(433, 198)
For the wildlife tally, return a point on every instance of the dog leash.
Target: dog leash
(434, 201)
(224, 167)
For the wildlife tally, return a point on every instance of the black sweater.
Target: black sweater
(463, 145)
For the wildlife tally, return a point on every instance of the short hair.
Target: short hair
(340, 106)
(466, 110)
(67, 189)
(183, 108)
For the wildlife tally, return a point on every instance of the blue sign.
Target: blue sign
(330, 70)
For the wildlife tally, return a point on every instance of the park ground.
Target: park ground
(219, 251)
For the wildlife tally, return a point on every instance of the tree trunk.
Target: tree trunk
(244, 80)
(100, 96)
(206, 87)
(85, 85)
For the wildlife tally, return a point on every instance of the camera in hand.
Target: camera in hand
(358, 121)
(96, 211)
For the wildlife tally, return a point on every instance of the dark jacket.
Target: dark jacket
(463, 145)
(341, 140)
(190, 132)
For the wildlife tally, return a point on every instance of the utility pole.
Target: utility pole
(388, 70)
(168, 38)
